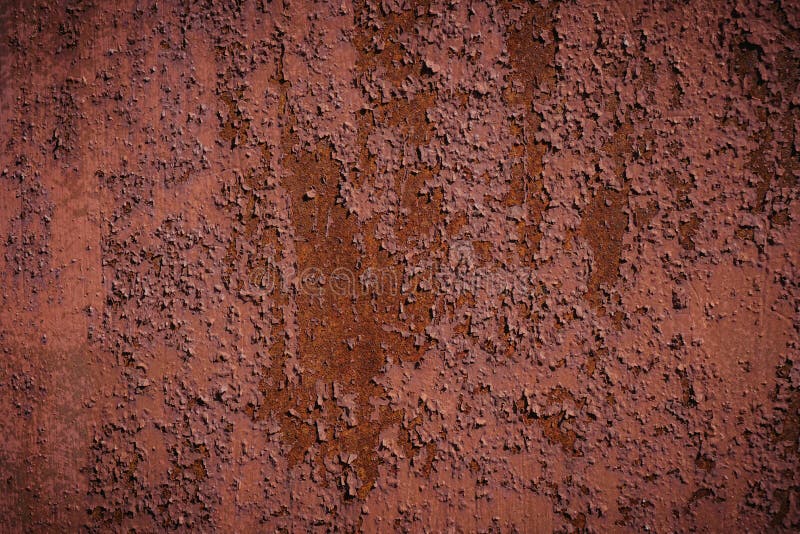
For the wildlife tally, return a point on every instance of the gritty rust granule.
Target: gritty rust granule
(399, 266)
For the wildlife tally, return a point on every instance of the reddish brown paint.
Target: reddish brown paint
(581, 220)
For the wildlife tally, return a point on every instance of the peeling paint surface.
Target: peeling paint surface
(399, 266)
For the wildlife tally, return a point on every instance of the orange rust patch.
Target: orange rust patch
(603, 226)
(531, 50)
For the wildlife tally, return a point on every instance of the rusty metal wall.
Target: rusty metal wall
(399, 266)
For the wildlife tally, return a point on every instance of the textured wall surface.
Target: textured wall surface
(375, 266)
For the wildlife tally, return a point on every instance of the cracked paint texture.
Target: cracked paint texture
(497, 266)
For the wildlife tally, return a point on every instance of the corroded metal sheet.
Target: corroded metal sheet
(399, 266)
